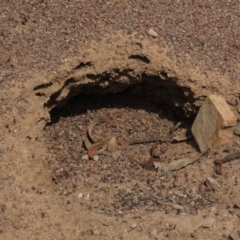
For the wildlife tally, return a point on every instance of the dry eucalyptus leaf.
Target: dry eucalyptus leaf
(88, 140)
(92, 125)
(176, 165)
(112, 145)
(94, 148)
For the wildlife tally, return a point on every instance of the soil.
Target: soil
(65, 64)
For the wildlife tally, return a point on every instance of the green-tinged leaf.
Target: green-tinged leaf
(176, 165)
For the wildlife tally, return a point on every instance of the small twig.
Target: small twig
(168, 138)
(147, 165)
(130, 158)
(226, 159)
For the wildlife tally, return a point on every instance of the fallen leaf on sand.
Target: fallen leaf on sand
(176, 165)
(95, 147)
(88, 140)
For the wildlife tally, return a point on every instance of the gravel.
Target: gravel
(40, 34)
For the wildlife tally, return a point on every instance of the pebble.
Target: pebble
(95, 230)
(80, 195)
(177, 207)
(152, 33)
(154, 232)
(236, 130)
(208, 222)
(234, 235)
(214, 210)
(134, 225)
(85, 157)
(212, 183)
(95, 158)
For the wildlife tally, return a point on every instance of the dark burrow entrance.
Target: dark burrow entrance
(116, 185)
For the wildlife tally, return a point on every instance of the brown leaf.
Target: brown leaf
(92, 125)
(88, 140)
(94, 148)
(177, 164)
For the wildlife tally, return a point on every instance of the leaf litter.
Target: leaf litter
(88, 140)
(156, 164)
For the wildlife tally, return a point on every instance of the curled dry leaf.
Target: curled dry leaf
(176, 165)
(88, 140)
(95, 147)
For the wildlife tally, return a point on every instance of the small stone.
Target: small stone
(95, 230)
(188, 224)
(213, 126)
(208, 222)
(154, 232)
(214, 210)
(234, 235)
(134, 225)
(105, 223)
(212, 183)
(95, 158)
(80, 195)
(179, 180)
(85, 157)
(236, 130)
(177, 207)
(236, 206)
(152, 33)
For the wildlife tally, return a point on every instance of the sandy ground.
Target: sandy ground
(52, 50)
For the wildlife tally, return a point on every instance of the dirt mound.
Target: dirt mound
(143, 86)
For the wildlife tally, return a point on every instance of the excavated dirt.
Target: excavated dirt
(64, 64)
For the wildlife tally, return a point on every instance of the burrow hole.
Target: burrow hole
(114, 186)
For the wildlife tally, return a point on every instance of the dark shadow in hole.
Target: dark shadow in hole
(131, 98)
(82, 65)
(141, 58)
(45, 85)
